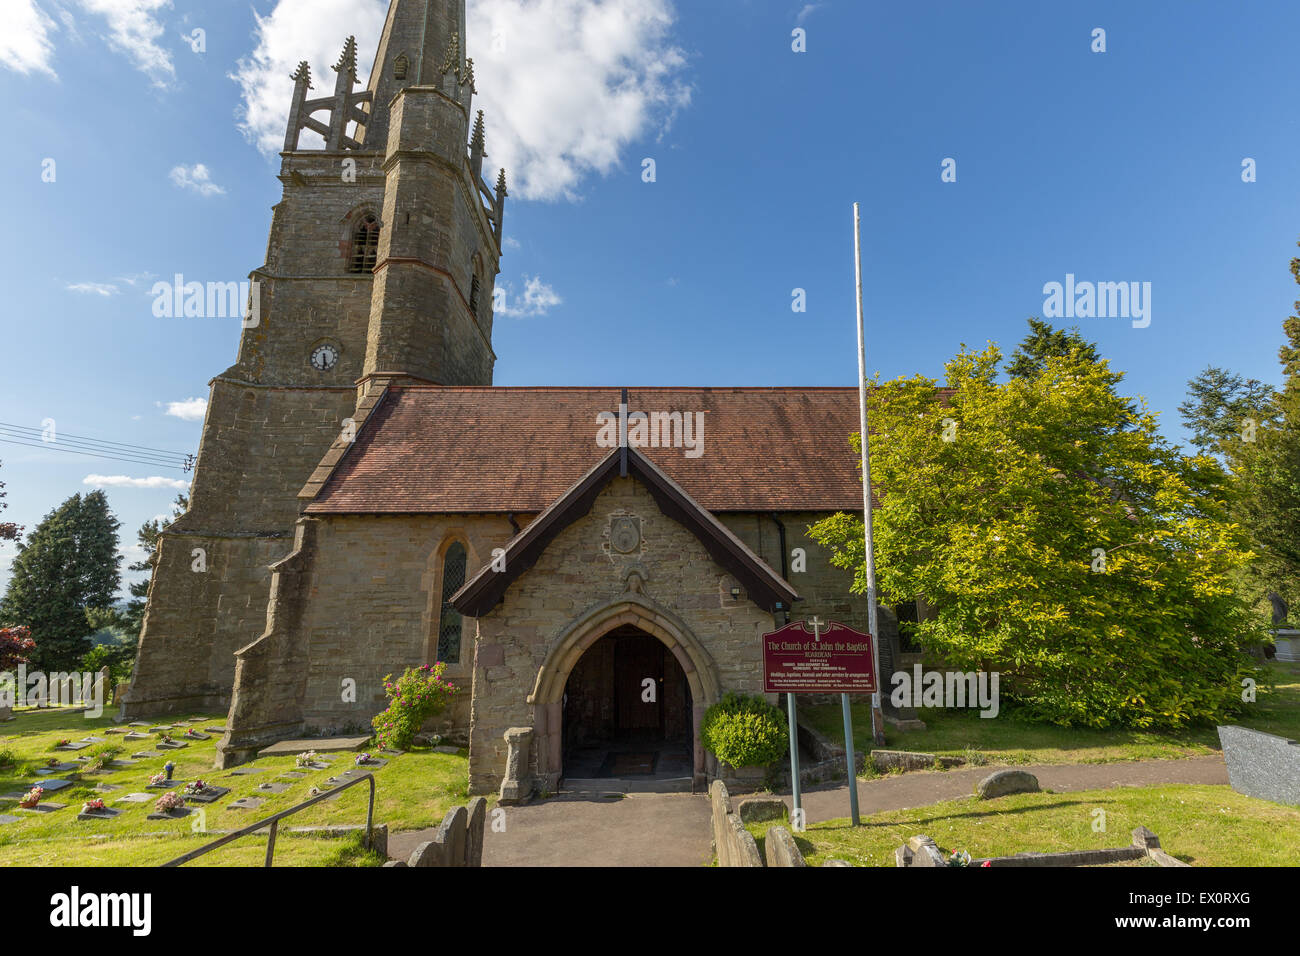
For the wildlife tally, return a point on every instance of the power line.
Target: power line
(98, 441)
(50, 446)
(172, 461)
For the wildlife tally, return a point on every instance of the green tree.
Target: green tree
(1046, 342)
(68, 566)
(1223, 409)
(8, 530)
(1062, 542)
(147, 536)
(1268, 471)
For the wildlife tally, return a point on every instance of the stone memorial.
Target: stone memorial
(6, 818)
(43, 807)
(54, 786)
(247, 771)
(1262, 765)
(136, 798)
(1006, 782)
(207, 794)
(246, 803)
(272, 788)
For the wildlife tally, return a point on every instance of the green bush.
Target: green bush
(744, 731)
(417, 695)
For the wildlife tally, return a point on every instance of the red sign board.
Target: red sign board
(835, 660)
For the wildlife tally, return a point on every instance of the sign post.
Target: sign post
(837, 660)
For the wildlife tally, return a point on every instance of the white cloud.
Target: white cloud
(134, 31)
(296, 30)
(25, 44)
(197, 177)
(190, 410)
(566, 85)
(94, 288)
(538, 299)
(808, 10)
(510, 243)
(122, 481)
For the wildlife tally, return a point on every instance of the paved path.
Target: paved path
(921, 788)
(673, 829)
(641, 829)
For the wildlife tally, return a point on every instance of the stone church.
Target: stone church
(366, 500)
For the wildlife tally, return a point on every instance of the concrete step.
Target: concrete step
(626, 785)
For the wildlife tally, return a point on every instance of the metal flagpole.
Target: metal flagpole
(877, 717)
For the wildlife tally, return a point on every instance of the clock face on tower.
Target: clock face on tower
(324, 358)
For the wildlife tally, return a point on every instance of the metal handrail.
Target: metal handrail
(274, 821)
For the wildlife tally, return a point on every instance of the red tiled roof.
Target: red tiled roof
(431, 450)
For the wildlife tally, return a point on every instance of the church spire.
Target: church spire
(420, 31)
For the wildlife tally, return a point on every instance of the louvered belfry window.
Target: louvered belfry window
(449, 628)
(475, 290)
(365, 247)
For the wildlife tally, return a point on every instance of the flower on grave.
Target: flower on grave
(986, 863)
(32, 798)
(52, 762)
(158, 778)
(168, 802)
(164, 738)
(306, 759)
(363, 758)
(959, 859)
(93, 806)
(198, 786)
(63, 743)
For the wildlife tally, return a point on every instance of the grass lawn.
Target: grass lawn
(1006, 740)
(1201, 825)
(414, 791)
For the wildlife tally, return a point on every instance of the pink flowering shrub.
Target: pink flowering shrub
(413, 698)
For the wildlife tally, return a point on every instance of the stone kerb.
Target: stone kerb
(921, 851)
(458, 842)
(732, 843)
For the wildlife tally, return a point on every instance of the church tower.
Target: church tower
(380, 267)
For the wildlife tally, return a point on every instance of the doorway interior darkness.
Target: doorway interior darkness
(614, 727)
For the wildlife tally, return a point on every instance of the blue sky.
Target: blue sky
(1115, 166)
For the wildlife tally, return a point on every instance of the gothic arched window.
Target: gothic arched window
(365, 247)
(475, 287)
(400, 66)
(449, 621)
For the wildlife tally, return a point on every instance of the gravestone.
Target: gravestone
(178, 814)
(246, 803)
(138, 723)
(173, 745)
(6, 818)
(57, 768)
(93, 740)
(161, 729)
(77, 745)
(374, 763)
(6, 713)
(105, 814)
(215, 730)
(275, 788)
(291, 775)
(196, 735)
(206, 795)
(43, 807)
(136, 735)
(136, 798)
(1262, 765)
(166, 784)
(54, 786)
(515, 786)
(106, 788)
(247, 771)
(1006, 782)
(119, 764)
(146, 755)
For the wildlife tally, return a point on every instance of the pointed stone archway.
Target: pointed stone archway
(638, 611)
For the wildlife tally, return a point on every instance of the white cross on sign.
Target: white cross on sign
(817, 625)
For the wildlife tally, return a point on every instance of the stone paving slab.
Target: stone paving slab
(289, 748)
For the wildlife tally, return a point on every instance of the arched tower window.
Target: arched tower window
(449, 621)
(365, 247)
(475, 286)
(400, 66)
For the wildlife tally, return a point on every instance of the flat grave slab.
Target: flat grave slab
(446, 750)
(160, 729)
(274, 788)
(246, 803)
(121, 764)
(77, 745)
(136, 735)
(174, 745)
(208, 795)
(195, 720)
(136, 798)
(246, 771)
(6, 818)
(54, 786)
(316, 765)
(374, 763)
(293, 775)
(44, 807)
(196, 735)
(180, 814)
(115, 730)
(138, 723)
(146, 754)
(57, 768)
(215, 730)
(106, 788)
(92, 740)
(105, 814)
(389, 751)
(288, 748)
(167, 784)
